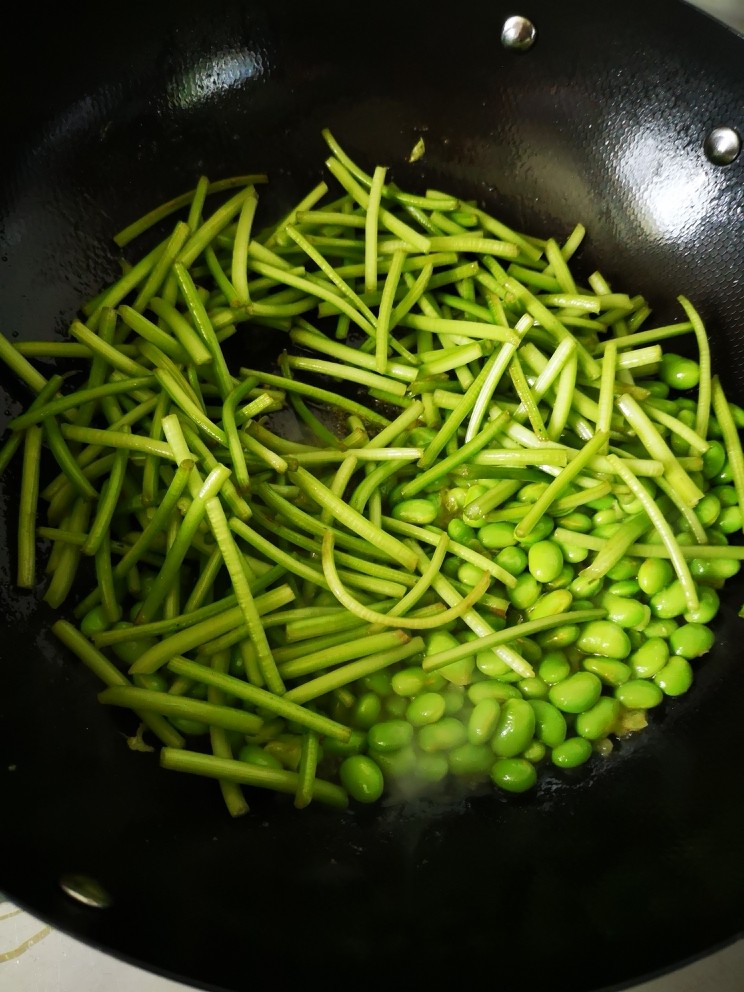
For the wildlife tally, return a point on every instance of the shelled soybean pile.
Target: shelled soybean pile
(471, 526)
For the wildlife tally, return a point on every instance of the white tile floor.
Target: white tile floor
(34, 958)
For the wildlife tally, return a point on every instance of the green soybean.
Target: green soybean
(691, 640)
(390, 735)
(515, 728)
(513, 774)
(545, 561)
(426, 708)
(600, 720)
(550, 724)
(442, 736)
(571, 753)
(675, 678)
(639, 694)
(553, 667)
(577, 693)
(483, 721)
(470, 759)
(611, 671)
(605, 638)
(362, 778)
(650, 658)
(525, 593)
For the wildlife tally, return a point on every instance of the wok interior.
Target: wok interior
(638, 854)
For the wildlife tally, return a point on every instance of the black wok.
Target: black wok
(596, 880)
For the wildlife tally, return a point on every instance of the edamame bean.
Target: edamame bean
(432, 767)
(531, 492)
(585, 588)
(513, 559)
(454, 699)
(95, 621)
(255, 755)
(366, 710)
(554, 667)
(415, 511)
(573, 553)
(525, 593)
(708, 510)
(449, 732)
(571, 753)
(626, 568)
(550, 723)
(650, 658)
(459, 531)
(286, 749)
(394, 706)
(654, 575)
(691, 640)
(515, 728)
(606, 531)
(533, 688)
(550, 604)
(390, 735)
(675, 678)
(559, 637)
(708, 604)
(609, 670)
(605, 638)
(626, 612)
(545, 561)
(513, 774)
(469, 575)
(577, 693)
(491, 689)
(459, 672)
(489, 663)
(426, 708)
(470, 759)
(542, 529)
(483, 721)
(600, 720)
(639, 694)
(497, 535)
(660, 628)
(726, 496)
(535, 752)
(678, 372)
(408, 681)
(192, 728)
(669, 602)
(565, 577)
(626, 589)
(609, 516)
(397, 764)
(576, 521)
(713, 459)
(378, 682)
(355, 744)
(714, 569)
(529, 649)
(730, 520)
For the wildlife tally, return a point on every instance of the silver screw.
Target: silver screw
(722, 145)
(518, 33)
(85, 890)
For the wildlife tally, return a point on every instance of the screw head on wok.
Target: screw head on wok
(722, 145)
(518, 33)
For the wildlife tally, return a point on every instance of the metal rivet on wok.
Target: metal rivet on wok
(85, 890)
(518, 34)
(722, 145)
